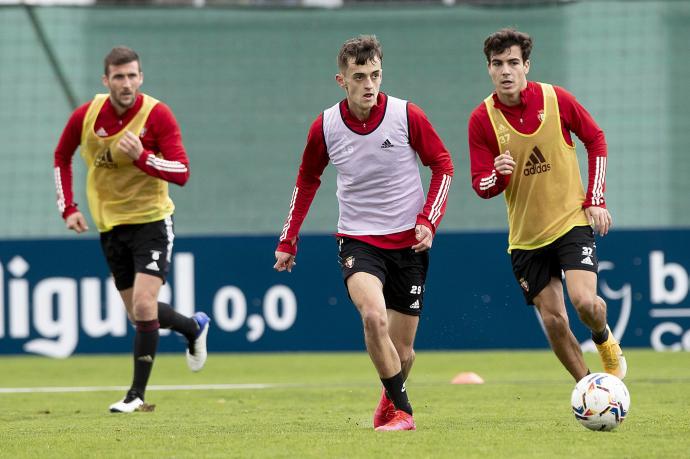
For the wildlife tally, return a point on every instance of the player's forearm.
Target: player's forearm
(597, 159)
(488, 184)
(437, 197)
(302, 196)
(596, 181)
(62, 175)
(173, 171)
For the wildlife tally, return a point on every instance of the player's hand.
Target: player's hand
(600, 219)
(284, 261)
(76, 222)
(130, 145)
(504, 163)
(425, 238)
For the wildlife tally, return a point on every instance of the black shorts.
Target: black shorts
(401, 271)
(140, 248)
(534, 269)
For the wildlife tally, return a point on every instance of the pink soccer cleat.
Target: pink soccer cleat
(385, 411)
(400, 421)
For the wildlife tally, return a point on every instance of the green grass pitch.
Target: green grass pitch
(320, 405)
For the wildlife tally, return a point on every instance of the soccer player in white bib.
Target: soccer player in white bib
(386, 226)
(521, 145)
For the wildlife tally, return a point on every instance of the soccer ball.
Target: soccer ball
(600, 401)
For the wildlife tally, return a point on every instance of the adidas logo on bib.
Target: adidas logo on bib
(387, 144)
(536, 163)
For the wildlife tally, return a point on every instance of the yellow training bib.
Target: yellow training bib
(545, 194)
(118, 191)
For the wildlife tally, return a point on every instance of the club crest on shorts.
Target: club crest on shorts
(524, 284)
(349, 262)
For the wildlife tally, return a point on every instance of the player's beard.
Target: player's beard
(120, 103)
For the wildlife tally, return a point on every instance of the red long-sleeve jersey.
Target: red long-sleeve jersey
(524, 117)
(161, 135)
(423, 139)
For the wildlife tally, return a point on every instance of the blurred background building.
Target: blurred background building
(246, 79)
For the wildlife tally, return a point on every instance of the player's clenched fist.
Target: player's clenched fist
(76, 222)
(131, 145)
(504, 163)
(284, 262)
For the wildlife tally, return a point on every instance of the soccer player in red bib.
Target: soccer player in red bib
(132, 148)
(521, 145)
(385, 226)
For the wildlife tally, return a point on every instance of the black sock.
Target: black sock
(145, 345)
(395, 389)
(600, 337)
(169, 318)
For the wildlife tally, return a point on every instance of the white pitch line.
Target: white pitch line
(31, 390)
(669, 312)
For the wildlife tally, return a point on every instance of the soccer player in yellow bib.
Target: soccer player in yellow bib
(132, 148)
(520, 143)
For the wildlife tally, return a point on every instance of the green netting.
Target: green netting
(245, 85)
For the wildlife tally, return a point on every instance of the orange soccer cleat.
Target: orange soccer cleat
(612, 356)
(400, 421)
(385, 411)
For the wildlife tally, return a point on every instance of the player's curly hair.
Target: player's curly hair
(120, 55)
(362, 49)
(499, 41)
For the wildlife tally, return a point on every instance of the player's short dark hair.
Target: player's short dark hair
(120, 55)
(498, 42)
(363, 49)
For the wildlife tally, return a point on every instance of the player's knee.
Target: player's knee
(585, 303)
(144, 305)
(556, 323)
(375, 322)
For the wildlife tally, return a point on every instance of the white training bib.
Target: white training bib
(379, 187)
